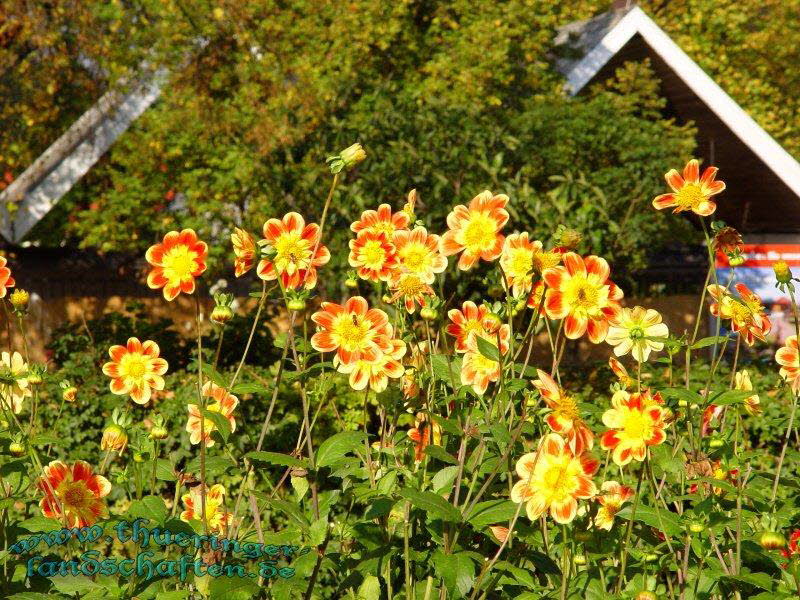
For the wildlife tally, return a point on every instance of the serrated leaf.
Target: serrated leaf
(149, 507)
(432, 504)
(456, 570)
(443, 481)
(370, 588)
(275, 458)
(661, 519)
(165, 470)
(447, 369)
(492, 512)
(337, 446)
(487, 349)
(709, 341)
(440, 453)
(214, 464)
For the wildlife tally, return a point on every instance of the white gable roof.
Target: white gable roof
(730, 113)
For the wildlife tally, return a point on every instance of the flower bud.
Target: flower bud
(19, 301)
(408, 207)
(138, 457)
(387, 299)
(223, 312)
(36, 374)
(351, 282)
(296, 304)
(428, 314)
(16, 449)
(69, 393)
(716, 442)
(158, 432)
(492, 322)
(114, 438)
(736, 260)
(782, 271)
(645, 595)
(579, 559)
(568, 238)
(696, 527)
(347, 158)
(650, 558)
(772, 540)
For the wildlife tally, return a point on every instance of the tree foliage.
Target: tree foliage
(447, 97)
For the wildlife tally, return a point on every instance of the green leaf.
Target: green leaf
(211, 373)
(250, 388)
(731, 397)
(487, 349)
(337, 446)
(317, 531)
(43, 439)
(370, 588)
(456, 570)
(683, 394)
(214, 464)
(165, 470)
(36, 524)
(432, 504)
(759, 580)
(661, 519)
(289, 508)
(446, 370)
(149, 507)
(492, 512)
(443, 480)
(222, 425)
(709, 341)
(275, 458)
(236, 588)
(440, 453)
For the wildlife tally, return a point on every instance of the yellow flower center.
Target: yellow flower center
(545, 260)
(638, 425)
(74, 494)
(480, 233)
(483, 364)
(291, 252)
(520, 263)
(351, 331)
(740, 313)
(133, 365)
(689, 196)
(179, 262)
(567, 407)
(410, 285)
(557, 480)
(386, 227)
(414, 257)
(583, 295)
(373, 254)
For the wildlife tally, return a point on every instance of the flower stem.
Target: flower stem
(626, 541)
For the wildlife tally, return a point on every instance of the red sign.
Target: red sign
(764, 255)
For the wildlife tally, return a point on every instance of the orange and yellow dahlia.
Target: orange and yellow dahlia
(295, 254)
(382, 221)
(478, 370)
(553, 479)
(6, 280)
(373, 256)
(611, 498)
(564, 418)
(15, 386)
(467, 323)
(410, 288)
(691, 192)
(746, 312)
(581, 293)
(176, 261)
(418, 253)
(73, 494)
(423, 434)
(353, 330)
(244, 250)
(375, 373)
(223, 403)
(475, 230)
(635, 422)
(216, 516)
(788, 357)
(522, 259)
(136, 369)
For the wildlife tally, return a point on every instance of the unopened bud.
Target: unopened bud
(428, 314)
(645, 595)
(16, 449)
(782, 271)
(351, 282)
(696, 527)
(772, 540)
(492, 322)
(114, 438)
(568, 238)
(579, 559)
(296, 304)
(69, 394)
(158, 432)
(19, 301)
(347, 158)
(223, 312)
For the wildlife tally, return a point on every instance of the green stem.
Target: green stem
(626, 541)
